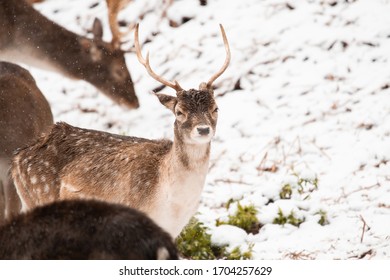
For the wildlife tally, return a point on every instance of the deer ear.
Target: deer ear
(90, 48)
(167, 100)
(97, 29)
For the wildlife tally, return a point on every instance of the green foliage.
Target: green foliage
(236, 254)
(301, 186)
(286, 192)
(306, 185)
(323, 218)
(281, 219)
(195, 243)
(245, 218)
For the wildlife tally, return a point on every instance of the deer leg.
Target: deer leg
(12, 201)
(2, 203)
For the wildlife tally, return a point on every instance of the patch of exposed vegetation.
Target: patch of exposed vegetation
(245, 218)
(301, 186)
(323, 221)
(283, 219)
(195, 243)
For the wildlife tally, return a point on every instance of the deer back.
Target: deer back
(78, 229)
(71, 162)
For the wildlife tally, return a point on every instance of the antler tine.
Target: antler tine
(145, 62)
(227, 60)
(114, 7)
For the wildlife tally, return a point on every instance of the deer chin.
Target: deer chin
(197, 139)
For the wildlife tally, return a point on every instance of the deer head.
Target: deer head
(195, 110)
(106, 59)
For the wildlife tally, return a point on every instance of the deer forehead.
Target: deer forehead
(195, 101)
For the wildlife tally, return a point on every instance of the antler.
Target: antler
(145, 62)
(114, 7)
(227, 60)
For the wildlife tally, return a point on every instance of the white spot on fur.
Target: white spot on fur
(33, 180)
(46, 189)
(46, 163)
(43, 178)
(162, 253)
(70, 187)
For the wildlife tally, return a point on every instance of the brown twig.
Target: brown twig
(214, 162)
(364, 228)
(345, 195)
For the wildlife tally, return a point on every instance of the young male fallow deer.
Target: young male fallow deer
(159, 177)
(24, 115)
(27, 36)
(82, 229)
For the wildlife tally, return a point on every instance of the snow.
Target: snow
(314, 103)
(220, 238)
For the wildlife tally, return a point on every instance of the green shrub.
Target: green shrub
(195, 243)
(245, 218)
(236, 254)
(323, 218)
(286, 192)
(281, 219)
(301, 186)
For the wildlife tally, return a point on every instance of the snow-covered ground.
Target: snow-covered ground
(306, 96)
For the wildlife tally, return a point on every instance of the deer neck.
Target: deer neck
(51, 47)
(183, 176)
(190, 157)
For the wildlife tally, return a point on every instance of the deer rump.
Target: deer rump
(84, 229)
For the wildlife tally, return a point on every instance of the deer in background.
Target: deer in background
(81, 229)
(27, 36)
(162, 178)
(24, 115)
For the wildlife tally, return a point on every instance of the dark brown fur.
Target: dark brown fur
(95, 61)
(24, 115)
(84, 230)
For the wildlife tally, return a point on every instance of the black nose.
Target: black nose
(203, 130)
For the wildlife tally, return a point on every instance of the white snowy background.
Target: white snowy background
(307, 95)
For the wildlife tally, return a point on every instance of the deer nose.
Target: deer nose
(203, 130)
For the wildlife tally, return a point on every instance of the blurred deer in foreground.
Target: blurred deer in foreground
(24, 115)
(27, 36)
(85, 230)
(159, 177)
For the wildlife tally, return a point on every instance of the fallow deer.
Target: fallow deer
(82, 229)
(27, 36)
(24, 115)
(159, 177)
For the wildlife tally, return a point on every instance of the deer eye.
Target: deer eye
(216, 110)
(179, 113)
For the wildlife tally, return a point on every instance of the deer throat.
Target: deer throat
(180, 188)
